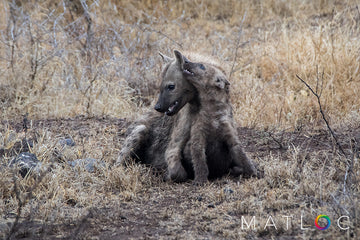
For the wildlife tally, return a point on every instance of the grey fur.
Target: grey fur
(214, 121)
(197, 135)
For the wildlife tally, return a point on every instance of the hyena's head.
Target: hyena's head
(175, 90)
(206, 77)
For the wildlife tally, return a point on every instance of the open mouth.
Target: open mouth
(187, 70)
(172, 108)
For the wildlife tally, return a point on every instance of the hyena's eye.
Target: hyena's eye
(201, 66)
(171, 87)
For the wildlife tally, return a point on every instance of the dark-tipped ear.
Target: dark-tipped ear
(165, 58)
(180, 59)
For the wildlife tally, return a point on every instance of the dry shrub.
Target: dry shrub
(67, 58)
(130, 181)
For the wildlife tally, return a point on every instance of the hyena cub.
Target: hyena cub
(213, 122)
(149, 138)
(197, 134)
(204, 138)
(170, 101)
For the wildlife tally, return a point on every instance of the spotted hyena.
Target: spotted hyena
(197, 134)
(213, 122)
(149, 137)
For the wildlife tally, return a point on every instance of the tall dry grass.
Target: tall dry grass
(100, 58)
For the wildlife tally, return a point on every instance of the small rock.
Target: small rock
(67, 142)
(228, 190)
(19, 146)
(211, 205)
(71, 202)
(26, 162)
(199, 198)
(88, 163)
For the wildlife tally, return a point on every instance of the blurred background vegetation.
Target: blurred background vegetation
(68, 58)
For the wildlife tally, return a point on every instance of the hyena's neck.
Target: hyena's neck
(194, 104)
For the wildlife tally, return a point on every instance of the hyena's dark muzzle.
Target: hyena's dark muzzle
(175, 90)
(166, 105)
(158, 107)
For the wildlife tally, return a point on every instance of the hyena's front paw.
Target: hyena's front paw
(246, 171)
(243, 165)
(201, 176)
(200, 180)
(177, 174)
(250, 169)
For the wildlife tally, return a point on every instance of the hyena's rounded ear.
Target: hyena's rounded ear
(178, 56)
(165, 58)
(221, 83)
(180, 59)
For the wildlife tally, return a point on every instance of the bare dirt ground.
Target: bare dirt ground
(161, 210)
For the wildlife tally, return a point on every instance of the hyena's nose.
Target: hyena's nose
(157, 107)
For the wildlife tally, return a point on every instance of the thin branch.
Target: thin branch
(237, 46)
(323, 114)
(149, 29)
(34, 56)
(19, 209)
(279, 142)
(350, 166)
(350, 162)
(22, 202)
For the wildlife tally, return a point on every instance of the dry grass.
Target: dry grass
(78, 68)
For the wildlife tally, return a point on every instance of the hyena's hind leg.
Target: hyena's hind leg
(241, 164)
(132, 142)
